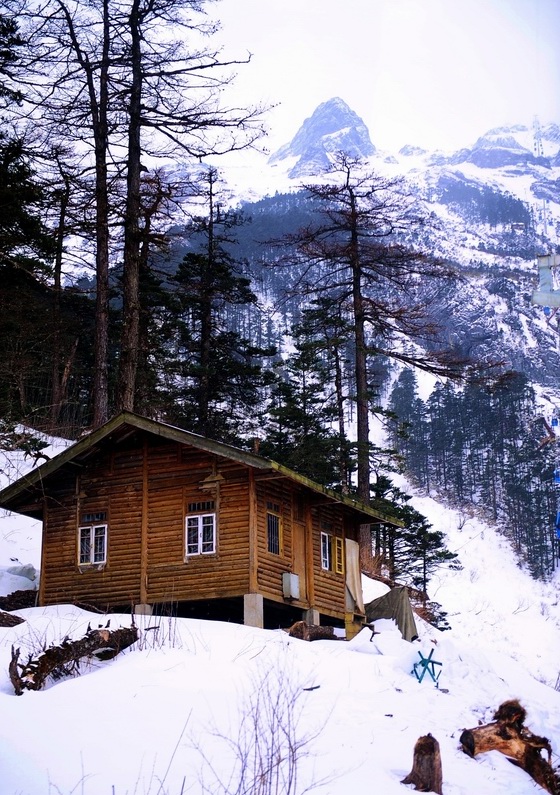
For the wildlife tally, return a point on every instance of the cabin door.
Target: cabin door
(299, 558)
(354, 595)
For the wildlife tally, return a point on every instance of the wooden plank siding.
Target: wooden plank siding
(330, 586)
(171, 487)
(145, 486)
(271, 566)
(326, 590)
(109, 486)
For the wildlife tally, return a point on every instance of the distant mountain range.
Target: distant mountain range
(495, 206)
(334, 126)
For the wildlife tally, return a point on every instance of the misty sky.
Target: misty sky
(434, 73)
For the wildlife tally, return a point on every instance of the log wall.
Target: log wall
(144, 486)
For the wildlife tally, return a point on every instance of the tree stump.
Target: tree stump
(508, 734)
(426, 774)
(64, 660)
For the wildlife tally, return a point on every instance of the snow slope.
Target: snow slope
(180, 711)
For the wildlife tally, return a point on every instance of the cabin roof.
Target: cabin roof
(14, 496)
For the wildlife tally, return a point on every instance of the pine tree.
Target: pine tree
(402, 403)
(358, 251)
(301, 429)
(219, 370)
(482, 449)
(25, 241)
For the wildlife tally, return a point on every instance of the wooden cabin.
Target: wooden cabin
(143, 516)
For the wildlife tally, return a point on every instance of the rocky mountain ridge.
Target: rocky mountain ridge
(495, 207)
(333, 127)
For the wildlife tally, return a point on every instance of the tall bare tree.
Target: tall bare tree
(363, 254)
(130, 83)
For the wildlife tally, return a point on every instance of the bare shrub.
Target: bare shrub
(265, 753)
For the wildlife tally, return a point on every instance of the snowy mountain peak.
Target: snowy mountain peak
(333, 127)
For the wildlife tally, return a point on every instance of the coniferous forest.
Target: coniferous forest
(275, 326)
(483, 445)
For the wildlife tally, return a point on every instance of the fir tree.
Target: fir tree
(413, 552)
(219, 371)
(301, 429)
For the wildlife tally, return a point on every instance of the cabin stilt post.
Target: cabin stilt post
(253, 610)
(311, 616)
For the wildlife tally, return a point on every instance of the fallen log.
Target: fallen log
(305, 631)
(508, 734)
(426, 774)
(64, 659)
(9, 620)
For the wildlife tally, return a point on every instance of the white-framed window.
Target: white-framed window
(332, 553)
(93, 544)
(201, 534)
(274, 540)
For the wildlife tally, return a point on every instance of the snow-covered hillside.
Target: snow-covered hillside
(179, 712)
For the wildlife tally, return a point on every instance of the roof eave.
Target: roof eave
(75, 451)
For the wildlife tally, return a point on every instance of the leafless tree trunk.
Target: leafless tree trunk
(128, 365)
(94, 70)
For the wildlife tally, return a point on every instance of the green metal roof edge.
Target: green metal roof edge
(178, 434)
(357, 505)
(39, 473)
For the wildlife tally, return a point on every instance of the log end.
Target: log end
(467, 742)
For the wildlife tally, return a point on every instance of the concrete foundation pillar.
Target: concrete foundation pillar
(311, 616)
(253, 610)
(143, 610)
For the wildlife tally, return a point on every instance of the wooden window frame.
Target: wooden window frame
(201, 525)
(326, 551)
(92, 554)
(332, 553)
(338, 555)
(274, 544)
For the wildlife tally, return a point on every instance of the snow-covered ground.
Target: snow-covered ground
(183, 710)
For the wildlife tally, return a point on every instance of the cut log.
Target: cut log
(305, 631)
(426, 775)
(64, 660)
(508, 734)
(9, 620)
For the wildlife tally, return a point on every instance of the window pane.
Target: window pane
(192, 535)
(85, 544)
(273, 533)
(339, 556)
(208, 533)
(195, 507)
(99, 543)
(326, 551)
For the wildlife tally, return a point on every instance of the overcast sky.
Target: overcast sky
(434, 73)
